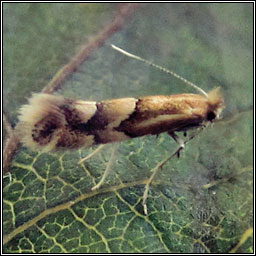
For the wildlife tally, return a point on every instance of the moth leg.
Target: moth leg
(179, 141)
(145, 194)
(108, 169)
(97, 150)
(181, 145)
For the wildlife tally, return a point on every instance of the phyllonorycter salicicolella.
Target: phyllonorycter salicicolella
(50, 122)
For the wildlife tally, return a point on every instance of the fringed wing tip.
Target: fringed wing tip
(40, 107)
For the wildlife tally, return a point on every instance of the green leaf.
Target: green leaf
(201, 202)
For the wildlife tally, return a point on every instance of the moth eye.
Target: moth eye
(210, 116)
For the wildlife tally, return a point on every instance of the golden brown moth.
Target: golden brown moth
(50, 122)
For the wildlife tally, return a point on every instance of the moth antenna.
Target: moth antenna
(160, 68)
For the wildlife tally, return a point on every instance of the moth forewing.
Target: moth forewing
(52, 123)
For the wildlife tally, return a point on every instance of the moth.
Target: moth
(50, 122)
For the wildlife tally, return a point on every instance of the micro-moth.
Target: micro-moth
(50, 122)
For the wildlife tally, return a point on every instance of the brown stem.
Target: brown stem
(7, 125)
(124, 11)
(10, 144)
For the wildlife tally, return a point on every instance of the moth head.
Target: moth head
(216, 104)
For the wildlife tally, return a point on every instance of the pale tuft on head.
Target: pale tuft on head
(216, 101)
